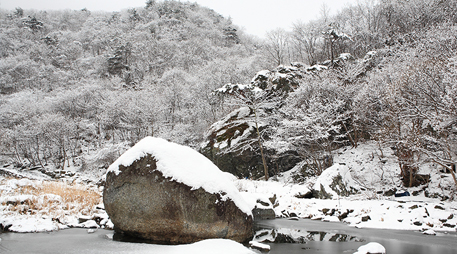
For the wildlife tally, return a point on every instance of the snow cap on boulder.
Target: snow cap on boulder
(185, 165)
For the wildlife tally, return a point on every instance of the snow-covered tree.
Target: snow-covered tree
(254, 101)
(311, 123)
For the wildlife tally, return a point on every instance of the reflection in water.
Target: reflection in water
(295, 237)
(286, 235)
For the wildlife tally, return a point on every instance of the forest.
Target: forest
(77, 87)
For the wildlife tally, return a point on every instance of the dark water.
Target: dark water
(339, 238)
(283, 236)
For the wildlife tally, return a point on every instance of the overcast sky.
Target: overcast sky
(255, 16)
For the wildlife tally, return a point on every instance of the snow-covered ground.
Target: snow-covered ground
(372, 175)
(43, 205)
(372, 172)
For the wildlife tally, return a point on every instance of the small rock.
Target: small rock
(429, 232)
(416, 193)
(414, 207)
(259, 246)
(417, 223)
(273, 199)
(262, 203)
(439, 207)
(391, 192)
(90, 224)
(91, 230)
(84, 218)
(345, 215)
(366, 218)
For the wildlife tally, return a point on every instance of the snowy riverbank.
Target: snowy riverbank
(33, 203)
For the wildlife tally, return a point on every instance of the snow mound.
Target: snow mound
(372, 248)
(210, 246)
(30, 225)
(184, 165)
(326, 179)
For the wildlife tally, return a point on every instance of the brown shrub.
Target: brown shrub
(74, 199)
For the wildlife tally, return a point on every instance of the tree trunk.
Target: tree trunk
(64, 154)
(354, 144)
(16, 152)
(38, 151)
(265, 168)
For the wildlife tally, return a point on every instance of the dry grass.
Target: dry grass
(54, 199)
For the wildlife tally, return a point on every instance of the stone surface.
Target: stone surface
(263, 213)
(142, 203)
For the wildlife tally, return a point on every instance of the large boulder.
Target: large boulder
(171, 194)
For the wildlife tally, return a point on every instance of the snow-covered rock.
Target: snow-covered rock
(429, 232)
(335, 182)
(260, 246)
(170, 193)
(371, 248)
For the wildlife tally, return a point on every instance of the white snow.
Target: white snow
(317, 67)
(211, 246)
(29, 225)
(184, 165)
(326, 178)
(91, 230)
(371, 167)
(371, 248)
(90, 224)
(258, 245)
(345, 56)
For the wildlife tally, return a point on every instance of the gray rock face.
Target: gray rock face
(142, 203)
(263, 214)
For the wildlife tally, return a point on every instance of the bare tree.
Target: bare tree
(277, 46)
(305, 38)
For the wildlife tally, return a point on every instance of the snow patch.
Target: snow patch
(30, 225)
(371, 248)
(211, 246)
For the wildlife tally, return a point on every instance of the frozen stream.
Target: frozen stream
(329, 237)
(316, 237)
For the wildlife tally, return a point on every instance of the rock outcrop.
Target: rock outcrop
(335, 182)
(151, 198)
